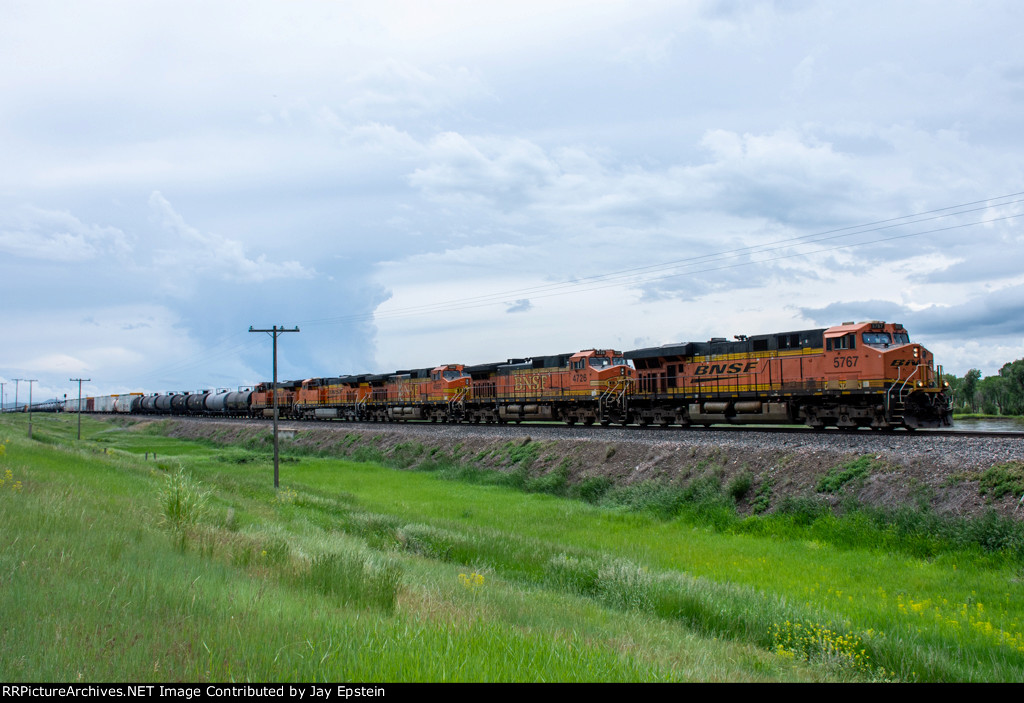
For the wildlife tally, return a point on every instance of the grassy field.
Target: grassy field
(191, 567)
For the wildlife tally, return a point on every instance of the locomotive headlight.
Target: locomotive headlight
(920, 384)
(916, 351)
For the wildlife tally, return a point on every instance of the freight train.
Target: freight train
(853, 375)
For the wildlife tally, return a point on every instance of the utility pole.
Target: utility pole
(30, 382)
(79, 402)
(275, 332)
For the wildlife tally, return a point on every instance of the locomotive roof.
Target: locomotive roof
(756, 343)
(483, 368)
(536, 362)
(412, 373)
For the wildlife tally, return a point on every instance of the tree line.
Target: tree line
(1002, 394)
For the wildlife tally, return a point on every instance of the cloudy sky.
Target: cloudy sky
(414, 183)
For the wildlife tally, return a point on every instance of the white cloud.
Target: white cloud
(457, 149)
(201, 253)
(521, 305)
(31, 232)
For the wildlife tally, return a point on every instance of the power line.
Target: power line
(643, 275)
(217, 351)
(633, 277)
(574, 285)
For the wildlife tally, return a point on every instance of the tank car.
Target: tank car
(127, 403)
(239, 403)
(216, 402)
(195, 403)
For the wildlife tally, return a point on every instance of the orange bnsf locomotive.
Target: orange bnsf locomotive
(853, 375)
(586, 387)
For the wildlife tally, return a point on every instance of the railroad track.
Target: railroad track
(680, 432)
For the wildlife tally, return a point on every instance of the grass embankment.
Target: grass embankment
(193, 568)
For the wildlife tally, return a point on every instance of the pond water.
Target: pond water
(992, 424)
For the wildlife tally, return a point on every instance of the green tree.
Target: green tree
(1013, 387)
(993, 395)
(969, 388)
(955, 392)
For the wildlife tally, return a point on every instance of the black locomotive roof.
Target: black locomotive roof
(685, 349)
(323, 381)
(478, 369)
(535, 362)
(412, 373)
(364, 378)
(761, 342)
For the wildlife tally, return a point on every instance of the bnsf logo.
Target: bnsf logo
(904, 362)
(738, 367)
(525, 384)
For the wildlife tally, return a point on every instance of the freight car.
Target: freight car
(867, 374)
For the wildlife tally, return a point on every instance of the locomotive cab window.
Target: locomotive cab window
(876, 339)
(599, 362)
(847, 341)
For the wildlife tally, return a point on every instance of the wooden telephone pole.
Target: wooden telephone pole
(275, 332)
(79, 402)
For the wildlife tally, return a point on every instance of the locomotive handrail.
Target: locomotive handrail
(615, 392)
(457, 401)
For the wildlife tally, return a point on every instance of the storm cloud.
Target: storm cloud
(398, 178)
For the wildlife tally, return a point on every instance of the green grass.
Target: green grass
(856, 470)
(1002, 479)
(353, 571)
(301, 584)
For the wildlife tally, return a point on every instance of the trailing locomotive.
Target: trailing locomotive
(867, 374)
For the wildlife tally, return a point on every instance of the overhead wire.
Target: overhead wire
(217, 351)
(654, 279)
(631, 276)
(639, 275)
